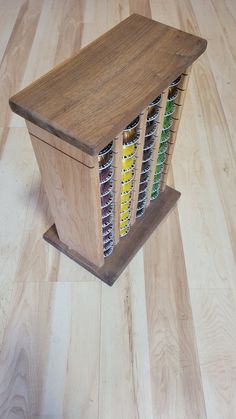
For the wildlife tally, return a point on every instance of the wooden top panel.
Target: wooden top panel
(88, 99)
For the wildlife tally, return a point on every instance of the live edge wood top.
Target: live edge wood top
(88, 99)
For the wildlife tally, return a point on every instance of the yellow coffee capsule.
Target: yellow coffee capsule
(126, 187)
(125, 197)
(127, 163)
(128, 150)
(124, 224)
(125, 206)
(127, 176)
(124, 215)
(124, 231)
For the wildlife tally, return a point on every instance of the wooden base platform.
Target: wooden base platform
(128, 246)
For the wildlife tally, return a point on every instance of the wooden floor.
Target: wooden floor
(161, 343)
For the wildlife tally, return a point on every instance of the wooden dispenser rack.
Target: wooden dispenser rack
(103, 126)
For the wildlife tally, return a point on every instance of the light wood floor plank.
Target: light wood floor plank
(16, 54)
(161, 343)
(176, 380)
(215, 319)
(125, 386)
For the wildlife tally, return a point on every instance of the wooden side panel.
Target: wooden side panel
(118, 141)
(177, 115)
(74, 196)
(57, 143)
(157, 143)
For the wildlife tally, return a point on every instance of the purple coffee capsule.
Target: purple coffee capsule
(108, 245)
(106, 200)
(106, 187)
(108, 210)
(108, 252)
(107, 228)
(106, 174)
(108, 220)
(107, 239)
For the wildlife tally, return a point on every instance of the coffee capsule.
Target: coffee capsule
(170, 108)
(126, 186)
(128, 162)
(150, 128)
(107, 239)
(107, 220)
(131, 130)
(161, 159)
(163, 148)
(107, 230)
(149, 143)
(105, 154)
(106, 187)
(172, 95)
(155, 191)
(159, 168)
(140, 212)
(157, 177)
(167, 123)
(108, 245)
(124, 224)
(108, 210)
(125, 197)
(156, 187)
(145, 167)
(165, 136)
(127, 175)
(173, 88)
(142, 195)
(143, 186)
(156, 101)
(153, 112)
(106, 200)
(124, 231)
(108, 252)
(125, 206)
(107, 162)
(147, 154)
(141, 205)
(106, 174)
(125, 215)
(144, 177)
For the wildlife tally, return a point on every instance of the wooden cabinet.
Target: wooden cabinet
(103, 125)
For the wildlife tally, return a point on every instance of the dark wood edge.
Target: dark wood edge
(129, 245)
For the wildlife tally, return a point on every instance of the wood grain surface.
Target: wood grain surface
(160, 343)
(76, 212)
(90, 98)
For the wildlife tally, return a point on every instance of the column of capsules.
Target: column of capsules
(165, 136)
(106, 171)
(149, 141)
(131, 136)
